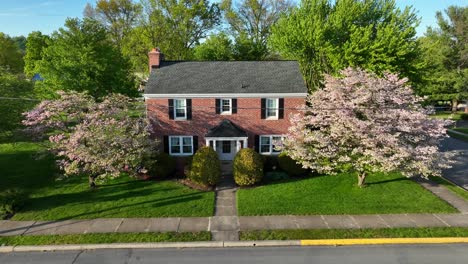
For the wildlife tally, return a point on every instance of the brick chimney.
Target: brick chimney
(155, 57)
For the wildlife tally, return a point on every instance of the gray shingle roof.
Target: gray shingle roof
(206, 77)
(226, 129)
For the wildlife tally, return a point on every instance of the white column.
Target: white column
(214, 145)
(238, 145)
(245, 143)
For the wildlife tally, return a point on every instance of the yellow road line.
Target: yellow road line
(382, 241)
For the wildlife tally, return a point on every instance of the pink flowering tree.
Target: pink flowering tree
(364, 124)
(98, 139)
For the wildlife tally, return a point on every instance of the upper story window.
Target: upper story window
(269, 144)
(271, 108)
(180, 145)
(226, 106)
(180, 109)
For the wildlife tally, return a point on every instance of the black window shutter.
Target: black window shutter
(234, 105)
(195, 144)
(189, 108)
(281, 108)
(218, 106)
(171, 108)
(166, 144)
(257, 143)
(263, 108)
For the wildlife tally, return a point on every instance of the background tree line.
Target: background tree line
(106, 50)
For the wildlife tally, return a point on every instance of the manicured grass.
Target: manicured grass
(104, 238)
(354, 233)
(461, 129)
(457, 190)
(447, 115)
(51, 199)
(339, 194)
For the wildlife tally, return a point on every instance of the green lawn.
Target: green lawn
(461, 129)
(104, 238)
(339, 194)
(457, 190)
(447, 115)
(51, 199)
(354, 233)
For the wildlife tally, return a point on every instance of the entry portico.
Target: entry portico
(226, 139)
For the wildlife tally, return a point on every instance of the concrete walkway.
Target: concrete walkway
(224, 230)
(225, 223)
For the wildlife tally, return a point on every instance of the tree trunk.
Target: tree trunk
(362, 180)
(454, 105)
(92, 181)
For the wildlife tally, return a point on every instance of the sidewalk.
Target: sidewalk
(225, 225)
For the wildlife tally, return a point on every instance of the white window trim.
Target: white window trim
(181, 141)
(221, 106)
(276, 117)
(185, 109)
(270, 152)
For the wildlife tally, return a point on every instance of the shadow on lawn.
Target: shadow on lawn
(45, 203)
(387, 181)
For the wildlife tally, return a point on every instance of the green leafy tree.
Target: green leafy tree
(251, 22)
(176, 26)
(20, 42)
(11, 57)
(118, 16)
(81, 57)
(17, 91)
(446, 57)
(35, 44)
(215, 47)
(326, 36)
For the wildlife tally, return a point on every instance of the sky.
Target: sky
(20, 17)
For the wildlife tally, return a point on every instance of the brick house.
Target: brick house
(227, 105)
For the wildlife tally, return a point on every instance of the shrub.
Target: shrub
(164, 167)
(276, 176)
(248, 167)
(187, 161)
(290, 166)
(11, 200)
(270, 162)
(206, 168)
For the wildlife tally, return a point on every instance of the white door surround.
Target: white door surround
(226, 147)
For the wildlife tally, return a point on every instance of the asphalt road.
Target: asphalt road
(459, 171)
(449, 253)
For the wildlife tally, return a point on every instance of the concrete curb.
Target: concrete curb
(229, 244)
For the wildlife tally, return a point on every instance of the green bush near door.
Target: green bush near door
(247, 167)
(206, 167)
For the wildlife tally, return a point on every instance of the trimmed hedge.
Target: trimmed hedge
(206, 168)
(290, 166)
(164, 167)
(247, 167)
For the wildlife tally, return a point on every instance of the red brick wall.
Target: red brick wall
(204, 117)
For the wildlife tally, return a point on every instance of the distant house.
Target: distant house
(227, 105)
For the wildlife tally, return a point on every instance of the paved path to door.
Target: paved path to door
(225, 225)
(459, 171)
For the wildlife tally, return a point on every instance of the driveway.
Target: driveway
(459, 171)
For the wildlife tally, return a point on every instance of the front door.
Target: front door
(226, 149)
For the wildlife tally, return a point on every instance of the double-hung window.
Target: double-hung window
(271, 110)
(269, 144)
(180, 109)
(180, 145)
(226, 106)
